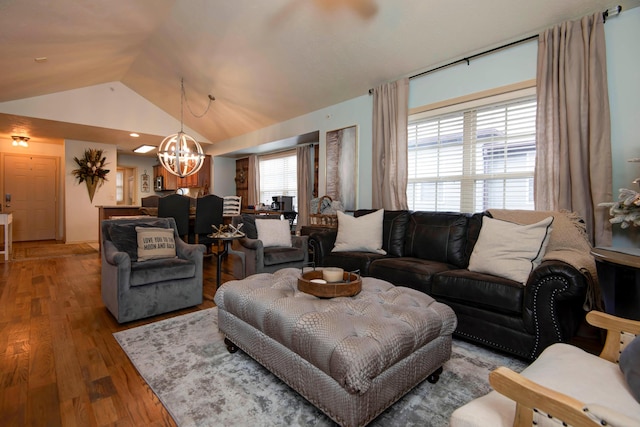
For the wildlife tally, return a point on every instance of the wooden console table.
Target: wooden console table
(619, 276)
(6, 219)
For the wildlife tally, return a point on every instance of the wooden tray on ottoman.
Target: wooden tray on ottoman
(350, 286)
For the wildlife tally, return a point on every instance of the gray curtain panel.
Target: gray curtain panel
(573, 164)
(390, 117)
(253, 179)
(304, 183)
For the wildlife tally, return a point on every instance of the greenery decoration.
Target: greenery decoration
(626, 211)
(91, 170)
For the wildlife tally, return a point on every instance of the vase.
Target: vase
(91, 187)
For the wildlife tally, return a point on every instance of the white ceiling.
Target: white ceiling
(265, 61)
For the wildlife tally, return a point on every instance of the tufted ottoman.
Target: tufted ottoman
(350, 357)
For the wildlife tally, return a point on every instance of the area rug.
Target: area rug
(186, 364)
(53, 250)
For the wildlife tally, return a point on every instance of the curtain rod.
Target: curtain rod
(607, 13)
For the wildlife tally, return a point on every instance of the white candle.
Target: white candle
(319, 281)
(333, 274)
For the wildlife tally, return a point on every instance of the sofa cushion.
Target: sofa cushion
(410, 272)
(159, 270)
(363, 234)
(155, 243)
(479, 290)
(394, 230)
(282, 255)
(510, 250)
(437, 236)
(351, 261)
(273, 232)
(125, 237)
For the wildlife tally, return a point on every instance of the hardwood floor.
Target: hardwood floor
(60, 364)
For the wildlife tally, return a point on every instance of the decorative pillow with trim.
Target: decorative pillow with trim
(274, 232)
(362, 234)
(510, 250)
(155, 243)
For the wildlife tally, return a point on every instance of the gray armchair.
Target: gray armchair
(133, 289)
(259, 259)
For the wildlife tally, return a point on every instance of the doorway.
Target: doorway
(126, 186)
(30, 192)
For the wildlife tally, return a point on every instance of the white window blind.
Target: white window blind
(473, 159)
(278, 176)
(119, 186)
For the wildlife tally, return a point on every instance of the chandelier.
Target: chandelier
(179, 153)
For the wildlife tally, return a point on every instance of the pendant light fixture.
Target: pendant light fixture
(179, 153)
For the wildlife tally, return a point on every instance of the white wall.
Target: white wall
(81, 214)
(623, 61)
(224, 176)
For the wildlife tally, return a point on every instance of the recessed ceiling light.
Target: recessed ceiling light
(144, 149)
(134, 135)
(40, 59)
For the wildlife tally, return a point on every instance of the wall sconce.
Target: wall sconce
(20, 141)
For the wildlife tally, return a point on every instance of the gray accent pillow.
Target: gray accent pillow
(249, 227)
(125, 237)
(630, 366)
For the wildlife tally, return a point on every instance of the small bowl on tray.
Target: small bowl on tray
(314, 283)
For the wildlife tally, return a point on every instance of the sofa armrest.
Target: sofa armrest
(321, 243)
(301, 242)
(115, 257)
(189, 251)
(553, 302)
(251, 244)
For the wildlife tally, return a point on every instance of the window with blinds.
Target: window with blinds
(473, 159)
(278, 176)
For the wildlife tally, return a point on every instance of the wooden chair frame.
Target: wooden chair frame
(531, 397)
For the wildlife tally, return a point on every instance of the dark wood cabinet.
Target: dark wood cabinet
(169, 180)
(172, 182)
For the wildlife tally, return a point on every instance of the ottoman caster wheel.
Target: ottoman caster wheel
(231, 347)
(435, 376)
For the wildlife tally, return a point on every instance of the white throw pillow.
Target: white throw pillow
(362, 234)
(155, 243)
(510, 250)
(274, 232)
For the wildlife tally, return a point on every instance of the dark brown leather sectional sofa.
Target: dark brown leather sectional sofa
(429, 251)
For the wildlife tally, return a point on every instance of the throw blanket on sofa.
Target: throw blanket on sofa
(568, 243)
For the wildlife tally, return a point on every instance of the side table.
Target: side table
(6, 219)
(226, 240)
(619, 276)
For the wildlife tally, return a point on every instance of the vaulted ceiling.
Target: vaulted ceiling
(264, 61)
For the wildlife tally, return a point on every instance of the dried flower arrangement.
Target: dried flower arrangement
(91, 170)
(626, 211)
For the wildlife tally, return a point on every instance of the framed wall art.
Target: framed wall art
(144, 182)
(342, 166)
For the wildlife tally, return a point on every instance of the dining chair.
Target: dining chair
(208, 213)
(150, 201)
(232, 205)
(176, 206)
